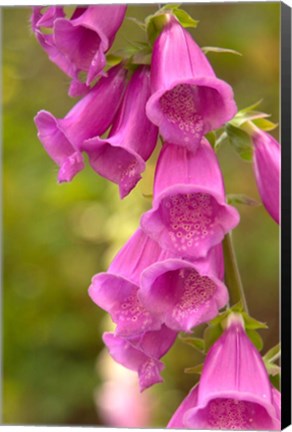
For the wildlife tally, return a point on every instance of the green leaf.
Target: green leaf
(252, 323)
(265, 124)
(238, 307)
(197, 343)
(255, 338)
(220, 50)
(243, 117)
(155, 24)
(184, 18)
(113, 60)
(241, 142)
(242, 199)
(195, 369)
(211, 334)
(211, 137)
(273, 369)
(275, 380)
(273, 352)
(218, 319)
(251, 107)
(150, 196)
(220, 140)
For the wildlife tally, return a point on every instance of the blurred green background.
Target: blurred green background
(56, 237)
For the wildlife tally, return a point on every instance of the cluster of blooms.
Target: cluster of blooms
(169, 275)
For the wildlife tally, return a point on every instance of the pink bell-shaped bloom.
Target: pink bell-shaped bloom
(78, 44)
(183, 294)
(87, 36)
(189, 214)
(121, 157)
(45, 19)
(187, 100)
(142, 354)
(267, 169)
(92, 115)
(116, 291)
(234, 391)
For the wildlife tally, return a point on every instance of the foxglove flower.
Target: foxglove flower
(116, 290)
(189, 214)
(183, 294)
(187, 100)
(78, 44)
(121, 157)
(234, 391)
(142, 354)
(267, 167)
(45, 19)
(92, 115)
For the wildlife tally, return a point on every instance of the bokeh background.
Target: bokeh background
(56, 237)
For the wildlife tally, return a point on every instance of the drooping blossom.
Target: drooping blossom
(40, 19)
(234, 391)
(142, 353)
(78, 44)
(91, 116)
(121, 157)
(184, 294)
(189, 214)
(267, 167)
(116, 291)
(188, 100)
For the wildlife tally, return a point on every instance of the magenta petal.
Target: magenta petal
(138, 253)
(118, 296)
(177, 420)
(125, 353)
(189, 214)
(213, 263)
(58, 147)
(92, 115)
(87, 36)
(230, 414)
(46, 19)
(142, 353)
(121, 157)
(187, 100)
(234, 390)
(116, 291)
(277, 402)
(180, 295)
(267, 167)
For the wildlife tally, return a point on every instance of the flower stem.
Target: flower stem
(232, 275)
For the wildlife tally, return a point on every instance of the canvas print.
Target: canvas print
(142, 170)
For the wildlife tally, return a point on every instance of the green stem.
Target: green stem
(232, 275)
(275, 357)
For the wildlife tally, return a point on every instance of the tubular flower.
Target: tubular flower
(78, 44)
(234, 391)
(45, 19)
(116, 290)
(142, 354)
(92, 115)
(183, 294)
(189, 214)
(267, 167)
(187, 100)
(121, 157)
